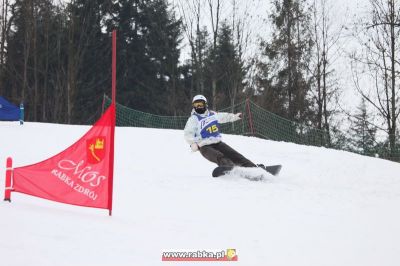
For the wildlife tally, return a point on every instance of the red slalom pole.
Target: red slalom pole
(114, 65)
(113, 88)
(7, 191)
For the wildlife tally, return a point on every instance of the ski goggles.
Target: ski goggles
(199, 104)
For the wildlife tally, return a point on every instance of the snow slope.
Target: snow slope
(327, 207)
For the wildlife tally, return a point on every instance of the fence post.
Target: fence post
(8, 188)
(21, 114)
(250, 117)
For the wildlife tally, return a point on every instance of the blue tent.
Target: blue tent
(8, 111)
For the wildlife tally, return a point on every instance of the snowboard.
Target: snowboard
(222, 170)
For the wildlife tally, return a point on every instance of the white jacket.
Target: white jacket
(193, 127)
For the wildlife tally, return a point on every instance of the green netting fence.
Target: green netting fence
(382, 150)
(256, 122)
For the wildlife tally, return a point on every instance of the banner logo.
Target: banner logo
(95, 149)
(200, 255)
(231, 254)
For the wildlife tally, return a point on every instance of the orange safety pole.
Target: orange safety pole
(8, 188)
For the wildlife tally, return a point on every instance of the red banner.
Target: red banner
(80, 175)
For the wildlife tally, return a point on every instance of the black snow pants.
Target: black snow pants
(223, 155)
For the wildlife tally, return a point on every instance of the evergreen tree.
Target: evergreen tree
(199, 58)
(89, 60)
(339, 140)
(58, 59)
(229, 69)
(362, 131)
(282, 75)
(148, 56)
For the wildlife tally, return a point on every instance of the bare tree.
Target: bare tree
(326, 51)
(241, 30)
(379, 37)
(36, 97)
(27, 46)
(215, 13)
(81, 31)
(190, 12)
(4, 27)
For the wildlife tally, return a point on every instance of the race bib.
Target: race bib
(209, 127)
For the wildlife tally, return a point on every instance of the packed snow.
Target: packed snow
(326, 207)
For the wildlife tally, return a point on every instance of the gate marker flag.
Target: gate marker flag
(80, 175)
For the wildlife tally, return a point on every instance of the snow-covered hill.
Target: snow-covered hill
(327, 207)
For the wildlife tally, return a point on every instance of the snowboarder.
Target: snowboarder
(202, 132)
